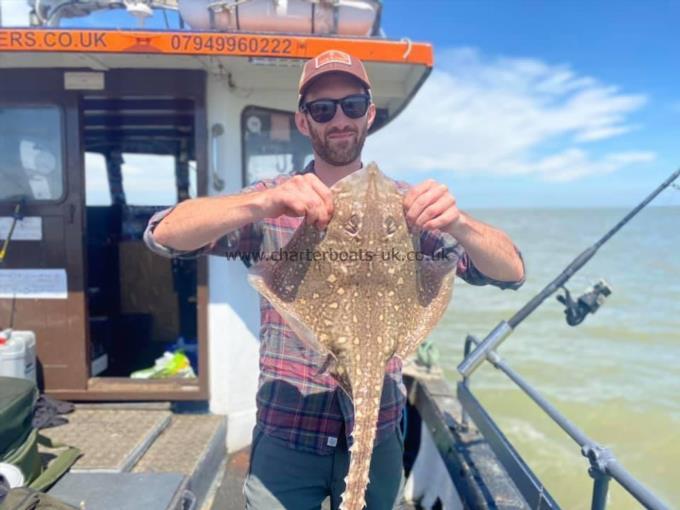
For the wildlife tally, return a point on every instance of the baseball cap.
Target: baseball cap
(332, 61)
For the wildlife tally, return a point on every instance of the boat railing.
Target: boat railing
(602, 466)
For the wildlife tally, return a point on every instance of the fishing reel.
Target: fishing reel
(589, 302)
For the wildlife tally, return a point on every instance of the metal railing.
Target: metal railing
(603, 465)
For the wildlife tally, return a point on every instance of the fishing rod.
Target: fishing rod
(576, 311)
(16, 217)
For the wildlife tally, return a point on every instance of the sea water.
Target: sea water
(616, 376)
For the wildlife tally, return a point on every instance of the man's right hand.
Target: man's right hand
(301, 195)
(196, 222)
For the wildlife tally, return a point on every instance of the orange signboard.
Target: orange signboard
(202, 43)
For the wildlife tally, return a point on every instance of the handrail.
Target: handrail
(603, 464)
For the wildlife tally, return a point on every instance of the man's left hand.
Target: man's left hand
(431, 206)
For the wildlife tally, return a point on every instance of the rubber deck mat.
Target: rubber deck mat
(182, 445)
(111, 440)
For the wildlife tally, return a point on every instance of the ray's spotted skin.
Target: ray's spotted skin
(360, 292)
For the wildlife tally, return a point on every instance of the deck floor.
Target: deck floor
(140, 445)
(229, 495)
(112, 440)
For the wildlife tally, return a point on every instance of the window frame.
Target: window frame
(62, 145)
(244, 112)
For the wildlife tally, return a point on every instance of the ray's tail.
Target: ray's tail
(366, 409)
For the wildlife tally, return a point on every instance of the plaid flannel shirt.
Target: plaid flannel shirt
(294, 401)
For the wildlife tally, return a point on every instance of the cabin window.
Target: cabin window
(272, 145)
(96, 180)
(31, 159)
(146, 179)
(149, 179)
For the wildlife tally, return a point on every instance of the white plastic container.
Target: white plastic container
(12, 474)
(17, 354)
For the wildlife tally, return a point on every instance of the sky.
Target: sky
(559, 103)
(542, 103)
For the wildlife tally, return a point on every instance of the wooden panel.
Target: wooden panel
(112, 388)
(147, 283)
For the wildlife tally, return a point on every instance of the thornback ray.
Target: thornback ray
(359, 292)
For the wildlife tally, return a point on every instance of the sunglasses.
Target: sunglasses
(323, 110)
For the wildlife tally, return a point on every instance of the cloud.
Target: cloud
(508, 116)
(574, 163)
(15, 13)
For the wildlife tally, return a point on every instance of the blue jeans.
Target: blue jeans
(281, 477)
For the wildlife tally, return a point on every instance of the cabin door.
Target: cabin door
(41, 275)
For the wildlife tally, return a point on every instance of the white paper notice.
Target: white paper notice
(33, 283)
(28, 229)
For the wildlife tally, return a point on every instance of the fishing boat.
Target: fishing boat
(101, 126)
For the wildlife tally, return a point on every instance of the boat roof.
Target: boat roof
(254, 61)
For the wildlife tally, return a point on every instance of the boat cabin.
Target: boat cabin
(102, 127)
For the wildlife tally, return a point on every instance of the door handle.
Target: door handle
(216, 131)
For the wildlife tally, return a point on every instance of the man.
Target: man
(304, 420)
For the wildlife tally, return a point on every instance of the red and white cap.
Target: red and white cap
(332, 61)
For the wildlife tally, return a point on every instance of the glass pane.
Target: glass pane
(272, 144)
(193, 179)
(30, 153)
(96, 182)
(149, 179)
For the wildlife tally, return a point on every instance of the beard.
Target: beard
(338, 152)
